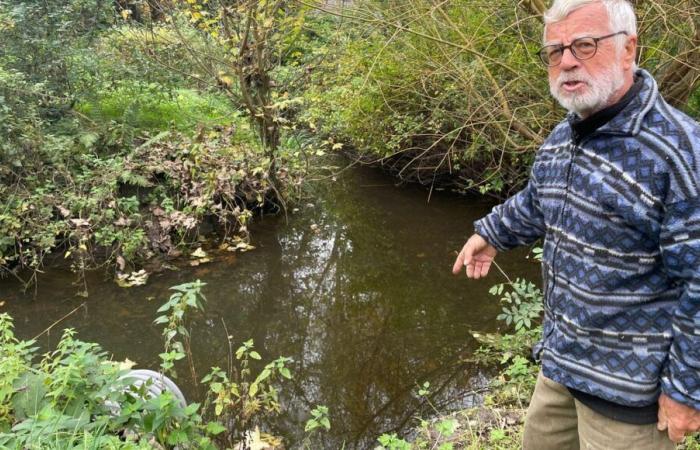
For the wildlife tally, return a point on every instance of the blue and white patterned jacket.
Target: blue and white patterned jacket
(620, 216)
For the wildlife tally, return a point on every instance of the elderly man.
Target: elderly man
(615, 193)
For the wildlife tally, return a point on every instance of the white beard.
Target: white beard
(598, 93)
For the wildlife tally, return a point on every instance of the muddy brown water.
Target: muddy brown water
(355, 287)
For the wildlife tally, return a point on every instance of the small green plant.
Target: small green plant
(187, 297)
(319, 419)
(424, 389)
(393, 442)
(523, 304)
(239, 401)
(522, 311)
(497, 435)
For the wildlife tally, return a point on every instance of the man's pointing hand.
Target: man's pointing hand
(477, 255)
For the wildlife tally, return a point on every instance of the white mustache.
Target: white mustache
(568, 76)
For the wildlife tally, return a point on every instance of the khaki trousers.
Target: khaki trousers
(555, 420)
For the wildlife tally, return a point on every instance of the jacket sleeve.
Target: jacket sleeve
(680, 251)
(517, 221)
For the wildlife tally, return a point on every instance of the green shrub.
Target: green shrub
(124, 208)
(452, 94)
(77, 397)
(74, 397)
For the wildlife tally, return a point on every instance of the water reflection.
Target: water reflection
(355, 287)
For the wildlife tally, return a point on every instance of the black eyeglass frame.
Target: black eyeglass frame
(571, 47)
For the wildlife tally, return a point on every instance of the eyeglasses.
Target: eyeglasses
(582, 48)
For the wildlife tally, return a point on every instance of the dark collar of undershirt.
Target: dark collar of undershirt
(582, 128)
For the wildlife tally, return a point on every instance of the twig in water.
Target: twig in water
(82, 305)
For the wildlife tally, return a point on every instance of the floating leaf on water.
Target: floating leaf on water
(490, 339)
(199, 253)
(243, 247)
(196, 262)
(127, 364)
(138, 278)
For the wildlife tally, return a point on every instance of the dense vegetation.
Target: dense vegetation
(77, 397)
(452, 95)
(133, 131)
(129, 128)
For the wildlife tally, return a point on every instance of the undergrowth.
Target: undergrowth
(77, 397)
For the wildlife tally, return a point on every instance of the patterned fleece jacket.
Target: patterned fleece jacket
(620, 216)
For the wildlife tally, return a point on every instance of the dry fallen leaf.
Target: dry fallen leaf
(127, 364)
(138, 278)
(199, 253)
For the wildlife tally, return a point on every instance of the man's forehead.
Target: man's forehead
(590, 20)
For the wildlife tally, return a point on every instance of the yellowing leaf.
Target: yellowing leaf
(254, 440)
(199, 253)
(127, 364)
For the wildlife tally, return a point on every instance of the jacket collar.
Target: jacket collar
(628, 122)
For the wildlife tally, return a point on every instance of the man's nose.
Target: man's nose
(568, 60)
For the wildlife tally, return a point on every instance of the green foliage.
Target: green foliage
(133, 204)
(523, 304)
(393, 442)
(694, 104)
(75, 397)
(35, 36)
(239, 399)
(319, 419)
(111, 149)
(522, 311)
(455, 96)
(418, 105)
(174, 313)
(19, 120)
(152, 107)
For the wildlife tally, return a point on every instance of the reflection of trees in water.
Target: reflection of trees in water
(362, 334)
(363, 316)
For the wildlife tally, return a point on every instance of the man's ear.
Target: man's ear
(630, 53)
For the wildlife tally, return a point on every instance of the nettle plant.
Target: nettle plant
(76, 397)
(237, 399)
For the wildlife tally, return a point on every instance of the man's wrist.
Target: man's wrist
(677, 395)
(481, 230)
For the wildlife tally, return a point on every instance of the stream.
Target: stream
(355, 286)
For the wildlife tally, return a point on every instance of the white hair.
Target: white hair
(620, 15)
